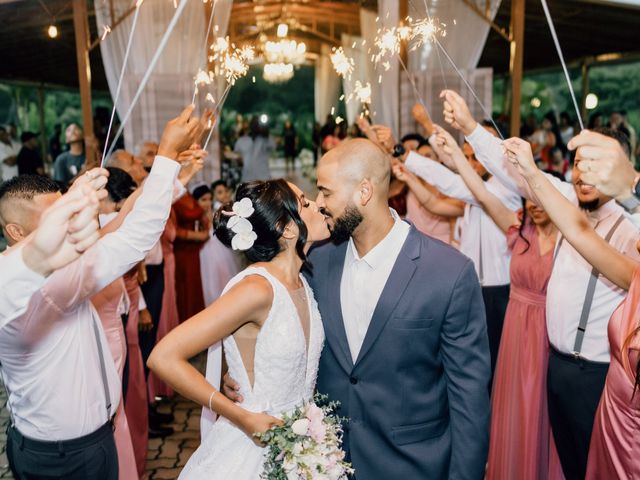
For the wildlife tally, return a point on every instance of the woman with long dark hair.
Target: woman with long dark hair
(615, 440)
(520, 443)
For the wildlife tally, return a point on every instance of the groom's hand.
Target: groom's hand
(230, 388)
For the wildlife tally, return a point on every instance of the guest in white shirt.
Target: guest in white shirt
(66, 229)
(62, 382)
(481, 239)
(579, 301)
(9, 150)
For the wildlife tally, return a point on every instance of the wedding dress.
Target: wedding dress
(285, 371)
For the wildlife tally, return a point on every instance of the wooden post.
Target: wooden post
(81, 28)
(43, 134)
(585, 90)
(515, 62)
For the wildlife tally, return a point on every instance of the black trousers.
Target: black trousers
(495, 306)
(574, 388)
(92, 457)
(152, 290)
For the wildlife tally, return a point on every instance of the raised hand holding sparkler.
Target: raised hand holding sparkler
(422, 117)
(519, 153)
(456, 112)
(182, 132)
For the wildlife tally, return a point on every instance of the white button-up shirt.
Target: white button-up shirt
(481, 240)
(49, 356)
(17, 283)
(363, 280)
(570, 275)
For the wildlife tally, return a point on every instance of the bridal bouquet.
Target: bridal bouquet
(307, 446)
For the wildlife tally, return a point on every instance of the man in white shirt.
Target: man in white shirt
(580, 302)
(481, 239)
(66, 229)
(9, 150)
(62, 382)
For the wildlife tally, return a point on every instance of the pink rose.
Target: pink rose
(317, 428)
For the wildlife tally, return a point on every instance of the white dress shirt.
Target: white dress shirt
(17, 283)
(7, 172)
(570, 275)
(49, 356)
(363, 280)
(482, 240)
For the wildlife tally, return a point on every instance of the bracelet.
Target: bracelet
(210, 398)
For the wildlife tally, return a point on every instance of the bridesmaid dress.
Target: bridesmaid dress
(169, 314)
(521, 443)
(615, 442)
(218, 265)
(428, 223)
(107, 303)
(188, 280)
(136, 405)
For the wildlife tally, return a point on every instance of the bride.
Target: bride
(269, 325)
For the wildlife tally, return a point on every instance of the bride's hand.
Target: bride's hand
(253, 423)
(231, 389)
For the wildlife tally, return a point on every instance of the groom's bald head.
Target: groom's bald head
(357, 160)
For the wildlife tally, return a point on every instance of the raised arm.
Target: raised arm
(503, 217)
(445, 207)
(571, 222)
(249, 301)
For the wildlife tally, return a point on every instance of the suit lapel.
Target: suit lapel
(336, 334)
(397, 283)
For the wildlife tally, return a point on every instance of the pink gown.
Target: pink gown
(107, 303)
(615, 442)
(169, 314)
(136, 405)
(433, 225)
(521, 443)
(218, 265)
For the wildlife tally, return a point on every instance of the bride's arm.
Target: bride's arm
(248, 301)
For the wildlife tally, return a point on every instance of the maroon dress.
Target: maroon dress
(189, 295)
(615, 442)
(521, 444)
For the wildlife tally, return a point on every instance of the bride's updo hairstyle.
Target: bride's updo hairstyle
(275, 206)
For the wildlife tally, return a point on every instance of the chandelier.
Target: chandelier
(285, 51)
(277, 72)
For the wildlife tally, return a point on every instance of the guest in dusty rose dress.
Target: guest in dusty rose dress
(520, 442)
(615, 441)
(191, 233)
(169, 313)
(136, 405)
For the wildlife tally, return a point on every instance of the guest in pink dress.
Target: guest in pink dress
(136, 405)
(109, 302)
(615, 441)
(521, 443)
(169, 315)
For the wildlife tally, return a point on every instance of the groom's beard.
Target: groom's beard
(346, 224)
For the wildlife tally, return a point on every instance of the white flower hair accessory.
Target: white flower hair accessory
(244, 237)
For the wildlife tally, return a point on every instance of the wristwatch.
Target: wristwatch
(398, 150)
(632, 202)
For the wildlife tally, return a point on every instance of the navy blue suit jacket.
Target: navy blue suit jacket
(417, 395)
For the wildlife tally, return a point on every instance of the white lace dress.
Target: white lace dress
(284, 376)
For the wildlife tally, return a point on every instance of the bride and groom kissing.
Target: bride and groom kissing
(385, 320)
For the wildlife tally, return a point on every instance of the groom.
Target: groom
(406, 350)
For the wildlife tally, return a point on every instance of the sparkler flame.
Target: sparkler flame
(342, 64)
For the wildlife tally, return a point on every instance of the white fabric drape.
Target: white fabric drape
(354, 49)
(385, 96)
(465, 38)
(327, 85)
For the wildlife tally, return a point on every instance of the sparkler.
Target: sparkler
(204, 50)
(119, 87)
(342, 64)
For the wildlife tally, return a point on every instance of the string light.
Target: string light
(52, 31)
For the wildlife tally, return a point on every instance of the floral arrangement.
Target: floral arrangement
(307, 446)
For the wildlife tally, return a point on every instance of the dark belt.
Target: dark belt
(61, 446)
(577, 359)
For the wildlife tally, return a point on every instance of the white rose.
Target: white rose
(243, 208)
(243, 241)
(300, 427)
(297, 448)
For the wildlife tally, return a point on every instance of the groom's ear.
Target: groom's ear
(366, 191)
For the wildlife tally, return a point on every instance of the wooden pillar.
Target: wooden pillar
(585, 90)
(81, 28)
(515, 63)
(43, 134)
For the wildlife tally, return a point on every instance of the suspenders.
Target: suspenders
(591, 288)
